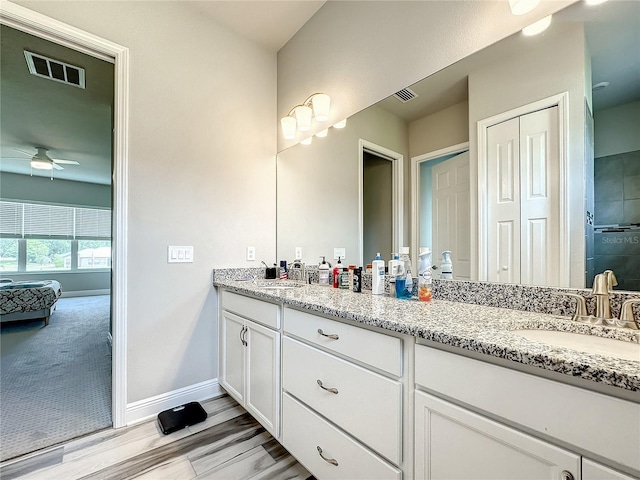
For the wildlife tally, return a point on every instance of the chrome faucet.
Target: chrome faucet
(603, 283)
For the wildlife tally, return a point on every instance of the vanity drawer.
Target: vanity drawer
(303, 432)
(367, 405)
(375, 349)
(262, 312)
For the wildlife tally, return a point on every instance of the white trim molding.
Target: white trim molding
(150, 407)
(415, 193)
(560, 100)
(55, 31)
(397, 193)
(86, 293)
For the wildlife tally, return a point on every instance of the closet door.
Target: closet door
(539, 198)
(523, 198)
(503, 202)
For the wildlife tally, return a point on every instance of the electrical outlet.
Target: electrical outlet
(251, 254)
(298, 253)
(338, 252)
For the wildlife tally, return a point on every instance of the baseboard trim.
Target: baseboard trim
(148, 408)
(87, 293)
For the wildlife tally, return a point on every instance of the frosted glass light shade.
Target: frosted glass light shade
(537, 27)
(341, 124)
(520, 7)
(303, 116)
(321, 103)
(595, 2)
(288, 127)
(322, 133)
(306, 141)
(41, 165)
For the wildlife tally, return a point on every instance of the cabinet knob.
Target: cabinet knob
(332, 461)
(330, 390)
(332, 336)
(566, 475)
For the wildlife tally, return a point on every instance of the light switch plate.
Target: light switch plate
(298, 253)
(338, 252)
(251, 254)
(179, 254)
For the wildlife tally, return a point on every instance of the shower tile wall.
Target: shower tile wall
(617, 202)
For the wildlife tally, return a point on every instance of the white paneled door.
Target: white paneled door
(523, 179)
(451, 213)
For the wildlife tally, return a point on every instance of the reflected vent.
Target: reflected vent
(405, 95)
(55, 70)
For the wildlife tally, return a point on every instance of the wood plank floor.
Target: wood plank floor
(230, 444)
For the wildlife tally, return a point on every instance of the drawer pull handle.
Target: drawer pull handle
(242, 336)
(328, 460)
(330, 390)
(566, 475)
(333, 336)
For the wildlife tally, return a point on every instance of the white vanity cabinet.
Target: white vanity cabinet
(457, 439)
(343, 398)
(250, 356)
(452, 442)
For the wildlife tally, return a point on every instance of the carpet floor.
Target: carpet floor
(55, 381)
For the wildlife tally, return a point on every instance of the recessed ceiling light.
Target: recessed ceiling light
(537, 27)
(599, 86)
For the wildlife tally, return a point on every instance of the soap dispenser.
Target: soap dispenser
(377, 279)
(337, 270)
(446, 266)
(323, 272)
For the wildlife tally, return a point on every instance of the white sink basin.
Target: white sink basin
(585, 343)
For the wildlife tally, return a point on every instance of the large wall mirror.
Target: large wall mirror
(522, 159)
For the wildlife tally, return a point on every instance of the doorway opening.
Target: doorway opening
(41, 26)
(441, 206)
(381, 195)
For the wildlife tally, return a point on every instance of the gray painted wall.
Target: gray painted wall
(377, 199)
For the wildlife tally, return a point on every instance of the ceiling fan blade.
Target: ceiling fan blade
(31, 154)
(57, 167)
(15, 158)
(66, 162)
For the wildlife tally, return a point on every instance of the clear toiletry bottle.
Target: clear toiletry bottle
(377, 278)
(394, 267)
(405, 260)
(323, 272)
(424, 276)
(446, 267)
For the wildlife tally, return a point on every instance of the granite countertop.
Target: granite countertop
(481, 329)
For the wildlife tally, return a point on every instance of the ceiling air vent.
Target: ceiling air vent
(405, 95)
(55, 70)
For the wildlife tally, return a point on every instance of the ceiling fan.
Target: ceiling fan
(42, 161)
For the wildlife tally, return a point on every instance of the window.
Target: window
(42, 237)
(8, 255)
(47, 255)
(94, 254)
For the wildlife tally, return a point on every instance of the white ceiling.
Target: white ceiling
(268, 23)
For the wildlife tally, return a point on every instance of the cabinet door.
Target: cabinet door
(594, 471)
(232, 355)
(452, 442)
(262, 395)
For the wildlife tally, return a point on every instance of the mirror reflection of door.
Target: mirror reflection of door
(377, 195)
(444, 210)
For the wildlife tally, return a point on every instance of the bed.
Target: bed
(28, 300)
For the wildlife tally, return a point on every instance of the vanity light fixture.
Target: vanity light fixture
(322, 133)
(594, 2)
(520, 7)
(300, 117)
(537, 27)
(341, 124)
(307, 141)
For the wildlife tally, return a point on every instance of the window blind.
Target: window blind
(33, 220)
(11, 219)
(93, 223)
(48, 221)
